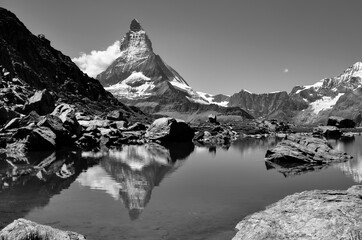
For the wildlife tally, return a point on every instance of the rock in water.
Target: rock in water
(341, 122)
(327, 131)
(22, 229)
(319, 214)
(170, 129)
(303, 149)
(42, 102)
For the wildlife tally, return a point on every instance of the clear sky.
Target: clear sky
(217, 46)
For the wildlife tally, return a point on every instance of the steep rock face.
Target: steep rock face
(139, 77)
(278, 105)
(349, 106)
(337, 96)
(30, 61)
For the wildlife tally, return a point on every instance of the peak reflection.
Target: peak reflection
(130, 173)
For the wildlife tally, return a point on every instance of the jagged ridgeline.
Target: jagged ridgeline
(29, 62)
(141, 78)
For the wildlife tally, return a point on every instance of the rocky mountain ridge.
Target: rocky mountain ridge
(309, 104)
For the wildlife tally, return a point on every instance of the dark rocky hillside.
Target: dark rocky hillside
(278, 105)
(30, 62)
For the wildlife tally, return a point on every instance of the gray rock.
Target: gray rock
(7, 114)
(169, 129)
(34, 139)
(96, 123)
(212, 118)
(317, 215)
(116, 115)
(327, 131)
(22, 229)
(13, 123)
(136, 127)
(341, 122)
(304, 149)
(42, 139)
(66, 113)
(42, 102)
(54, 123)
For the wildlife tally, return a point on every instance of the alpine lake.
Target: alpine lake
(174, 191)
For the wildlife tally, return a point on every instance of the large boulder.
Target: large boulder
(170, 129)
(116, 115)
(42, 102)
(66, 113)
(56, 125)
(341, 122)
(327, 131)
(304, 149)
(318, 214)
(35, 139)
(22, 229)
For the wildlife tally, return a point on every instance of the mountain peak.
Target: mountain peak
(357, 66)
(135, 26)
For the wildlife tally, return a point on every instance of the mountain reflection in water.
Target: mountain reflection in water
(129, 174)
(105, 195)
(20, 194)
(352, 168)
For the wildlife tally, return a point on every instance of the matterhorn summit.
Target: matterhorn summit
(139, 77)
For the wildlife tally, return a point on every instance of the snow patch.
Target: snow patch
(124, 88)
(316, 86)
(210, 99)
(136, 76)
(324, 103)
(247, 91)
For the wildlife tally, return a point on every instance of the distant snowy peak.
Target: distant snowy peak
(349, 80)
(135, 43)
(352, 72)
(219, 99)
(137, 56)
(139, 73)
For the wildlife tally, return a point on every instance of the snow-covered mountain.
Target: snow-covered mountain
(331, 96)
(141, 78)
(309, 104)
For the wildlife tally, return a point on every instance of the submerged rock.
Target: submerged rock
(304, 149)
(318, 214)
(22, 229)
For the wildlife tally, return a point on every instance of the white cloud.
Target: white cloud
(286, 70)
(97, 61)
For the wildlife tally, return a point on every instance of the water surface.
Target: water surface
(178, 191)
